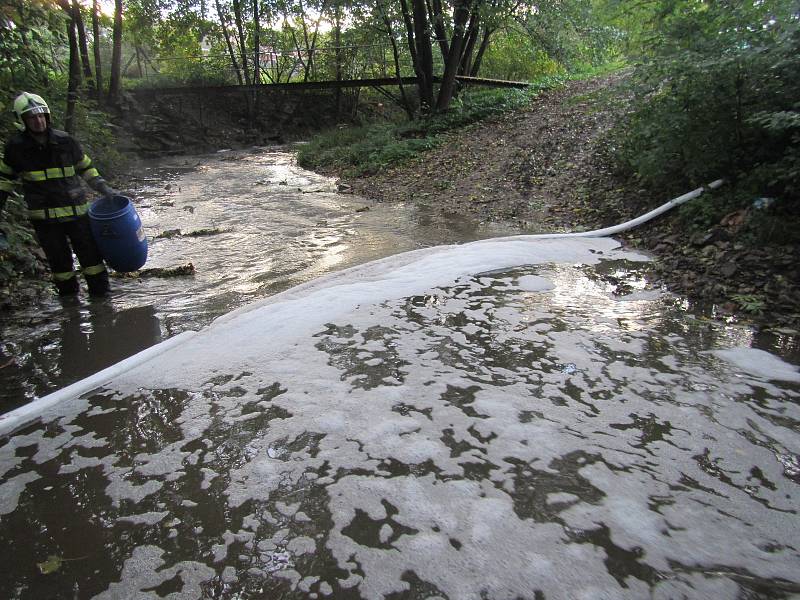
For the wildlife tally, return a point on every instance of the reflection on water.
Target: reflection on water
(71, 342)
(277, 225)
(96, 336)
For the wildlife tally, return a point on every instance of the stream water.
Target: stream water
(251, 223)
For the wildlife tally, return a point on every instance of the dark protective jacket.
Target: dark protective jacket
(49, 174)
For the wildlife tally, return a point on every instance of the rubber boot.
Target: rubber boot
(67, 287)
(98, 284)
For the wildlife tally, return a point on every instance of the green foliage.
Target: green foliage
(31, 35)
(98, 140)
(354, 150)
(708, 210)
(18, 260)
(569, 34)
(51, 565)
(32, 38)
(589, 71)
(750, 303)
(372, 148)
(779, 225)
(475, 105)
(716, 96)
(188, 71)
(514, 55)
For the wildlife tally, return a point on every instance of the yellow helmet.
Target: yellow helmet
(29, 104)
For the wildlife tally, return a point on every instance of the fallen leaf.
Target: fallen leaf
(51, 565)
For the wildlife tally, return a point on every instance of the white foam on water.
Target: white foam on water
(760, 363)
(533, 283)
(250, 335)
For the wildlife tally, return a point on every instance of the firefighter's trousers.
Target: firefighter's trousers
(58, 239)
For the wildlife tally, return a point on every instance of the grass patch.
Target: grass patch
(369, 149)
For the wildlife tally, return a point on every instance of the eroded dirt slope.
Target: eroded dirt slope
(528, 166)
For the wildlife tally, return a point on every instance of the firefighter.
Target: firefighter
(49, 162)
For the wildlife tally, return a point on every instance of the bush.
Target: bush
(18, 260)
(721, 105)
(515, 56)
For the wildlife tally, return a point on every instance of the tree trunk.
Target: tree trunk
(139, 62)
(98, 71)
(115, 82)
(447, 87)
(389, 31)
(128, 64)
(396, 54)
(82, 44)
(424, 67)
(473, 29)
(74, 68)
(337, 40)
(237, 15)
(226, 34)
(437, 18)
(412, 46)
(257, 45)
(311, 47)
(148, 61)
(479, 57)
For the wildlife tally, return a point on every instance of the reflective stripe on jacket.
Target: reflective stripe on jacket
(49, 173)
(59, 212)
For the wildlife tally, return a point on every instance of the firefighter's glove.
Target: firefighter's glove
(106, 190)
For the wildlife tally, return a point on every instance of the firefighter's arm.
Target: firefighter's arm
(99, 185)
(90, 174)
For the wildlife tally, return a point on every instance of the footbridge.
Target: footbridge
(375, 83)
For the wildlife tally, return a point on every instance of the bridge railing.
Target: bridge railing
(325, 63)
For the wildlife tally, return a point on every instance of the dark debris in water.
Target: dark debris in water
(164, 272)
(206, 231)
(169, 233)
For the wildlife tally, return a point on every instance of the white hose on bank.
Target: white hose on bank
(638, 220)
(653, 213)
(13, 420)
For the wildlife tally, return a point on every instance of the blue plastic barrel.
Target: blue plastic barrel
(118, 231)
